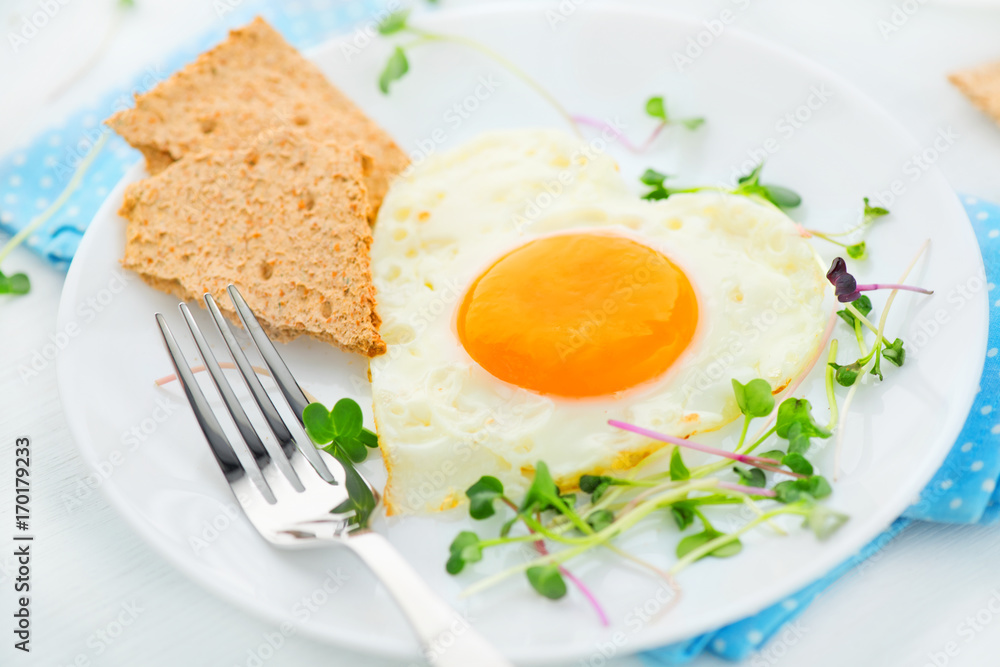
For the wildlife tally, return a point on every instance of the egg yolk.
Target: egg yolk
(579, 315)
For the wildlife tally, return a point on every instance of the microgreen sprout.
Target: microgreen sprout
(847, 288)
(398, 65)
(707, 535)
(656, 108)
(617, 504)
(760, 462)
(856, 314)
(17, 283)
(858, 250)
(748, 185)
(341, 433)
(543, 495)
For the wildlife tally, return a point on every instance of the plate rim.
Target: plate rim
(874, 523)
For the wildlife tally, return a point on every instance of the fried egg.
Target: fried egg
(528, 296)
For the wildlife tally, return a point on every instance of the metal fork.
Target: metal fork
(296, 495)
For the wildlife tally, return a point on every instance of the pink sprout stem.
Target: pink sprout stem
(619, 136)
(681, 442)
(749, 490)
(603, 617)
(908, 288)
(540, 548)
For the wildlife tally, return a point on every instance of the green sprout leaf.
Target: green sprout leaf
(464, 549)
(692, 123)
(368, 438)
(683, 514)
(395, 69)
(781, 197)
(857, 251)
(894, 352)
(749, 185)
(319, 423)
(692, 542)
(657, 194)
(751, 477)
(17, 283)
(347, 418)
(656, 108)
(754, 398)
(394, 23)
(653, 178)
(872, 212)
(847, 375)
(797, 463)
(596, 485)
(507, 525)
(600, 519)
(678, 471)
(824, 522)
(798, 442)
(753, 177)
(798, 411)
(339, 431)
(360, 498)
(810, 488)
(481, 496)
(590, 483)
(877, 366)
(543, 494)
(547, 580)
(863, 305)
(354, 449)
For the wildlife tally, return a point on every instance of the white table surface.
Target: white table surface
(916, 603)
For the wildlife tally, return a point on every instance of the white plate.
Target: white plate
(604, 62)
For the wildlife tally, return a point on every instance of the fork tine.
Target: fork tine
(278, 427)
(296, 398)
(217, 441)
(279, 371)
(274, 422)
(243, 424)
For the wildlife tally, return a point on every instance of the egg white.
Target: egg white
(443, 421)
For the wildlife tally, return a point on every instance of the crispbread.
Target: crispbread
(285, 220)
(254, 82)
(982, 86)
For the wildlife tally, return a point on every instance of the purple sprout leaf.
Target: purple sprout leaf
(844, 284)
(847, 288)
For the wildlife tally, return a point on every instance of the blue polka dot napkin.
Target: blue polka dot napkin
(963, 491)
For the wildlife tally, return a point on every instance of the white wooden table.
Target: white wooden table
(102, 597)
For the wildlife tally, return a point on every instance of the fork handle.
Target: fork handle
(445, 636)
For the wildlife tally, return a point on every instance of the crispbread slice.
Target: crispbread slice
(252, 83)
(284, 220)
(982, 86)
